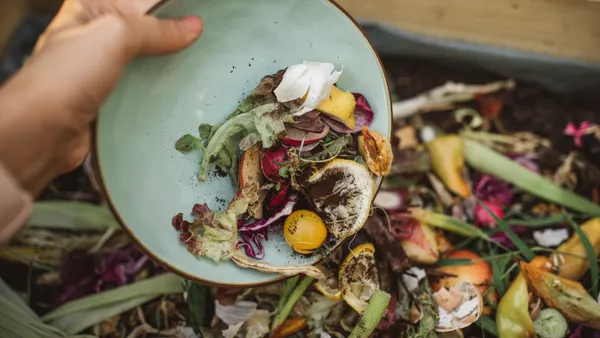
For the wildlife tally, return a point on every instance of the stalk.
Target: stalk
(377, 306)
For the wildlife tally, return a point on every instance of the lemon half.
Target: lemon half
(358, 277)
(330, 286)
(342, 192)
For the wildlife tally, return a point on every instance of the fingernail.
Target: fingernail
(193, 23)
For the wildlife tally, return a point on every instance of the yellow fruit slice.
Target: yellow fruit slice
(330, 286)
(342, 192)
(359, 277)
(340, 105)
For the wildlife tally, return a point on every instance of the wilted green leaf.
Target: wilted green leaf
(71, 216)
(331, 150)
(18, 320)
(487, 324)
(199, 302)
(77, 315)
(205, 131)
(447, 223)
(188, 143)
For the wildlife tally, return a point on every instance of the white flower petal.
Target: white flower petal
(294, 84)
(258, 325)
(236, 313)
(233, 330)
(550, 237)
(313, 79)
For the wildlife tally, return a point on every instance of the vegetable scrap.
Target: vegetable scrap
(487, 223)
(300, 154)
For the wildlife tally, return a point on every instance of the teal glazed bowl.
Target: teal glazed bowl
(146, 181)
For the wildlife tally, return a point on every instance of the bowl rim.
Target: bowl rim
(100, 178)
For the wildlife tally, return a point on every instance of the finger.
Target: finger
(148, 35)
(138, 6)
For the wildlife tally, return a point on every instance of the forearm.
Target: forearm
(32, 131)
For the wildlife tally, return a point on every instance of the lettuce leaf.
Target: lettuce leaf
(265, 121)
(212, 234)
(261, 95)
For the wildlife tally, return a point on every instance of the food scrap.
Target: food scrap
(486, 224)
(302, 158)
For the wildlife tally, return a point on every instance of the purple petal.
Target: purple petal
(578, 332)
(492, 189)
(502, 237)
(363, 116)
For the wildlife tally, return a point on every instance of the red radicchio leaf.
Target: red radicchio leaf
(278, 197)
(310, 122)
(177, 221)
(363, 116)
(272, 161)
(249, 241)
(285, 210)
(202, 215)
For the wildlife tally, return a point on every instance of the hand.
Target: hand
(47, 109)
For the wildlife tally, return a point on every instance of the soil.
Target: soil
(530, 107)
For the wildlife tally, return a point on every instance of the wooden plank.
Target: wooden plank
(563, 28)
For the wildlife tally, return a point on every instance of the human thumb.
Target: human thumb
(148, 35)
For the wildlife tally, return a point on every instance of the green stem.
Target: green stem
(377, 306)
(291, 301)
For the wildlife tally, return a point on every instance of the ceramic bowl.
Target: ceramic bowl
(161, 98)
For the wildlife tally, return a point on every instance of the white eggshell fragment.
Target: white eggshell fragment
(464, 314)
(313, 79)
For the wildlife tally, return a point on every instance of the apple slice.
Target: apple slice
(293, 137)
(251, 179)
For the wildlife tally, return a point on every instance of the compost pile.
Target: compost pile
(485, 227)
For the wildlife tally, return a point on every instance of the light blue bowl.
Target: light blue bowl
(161, 98)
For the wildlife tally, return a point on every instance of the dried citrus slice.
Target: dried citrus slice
(330, 286)
(342, 192)
(358, 277)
